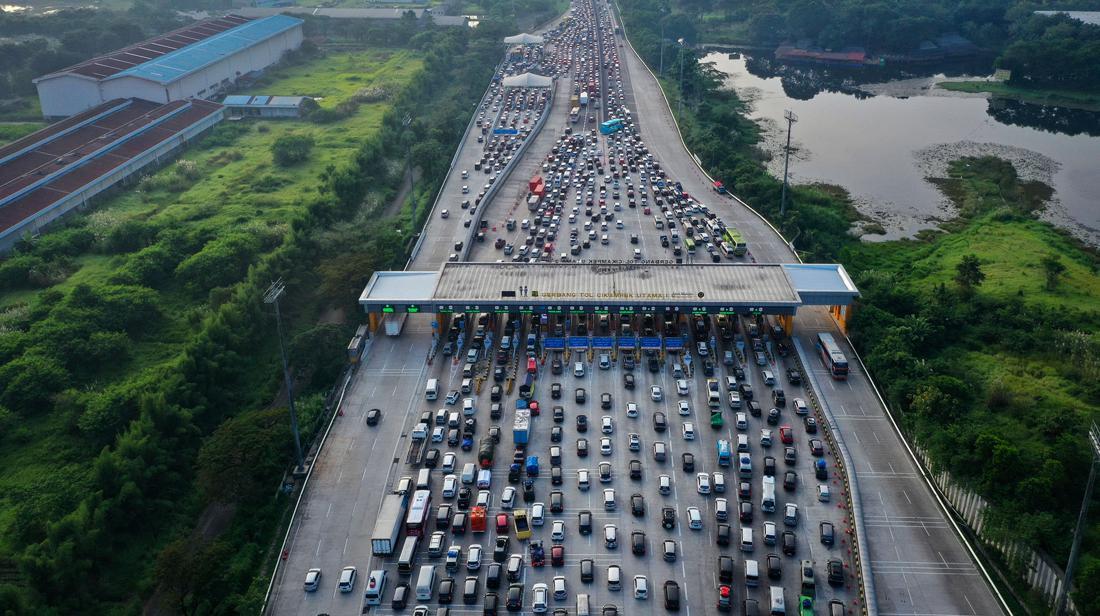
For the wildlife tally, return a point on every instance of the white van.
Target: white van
(778, 600)
(742, 442)
(769, 378)
(583, 609)
(718, 480)
(746, 540)
(614, 577)
(752, 573)
(469, 473)
(714, 400)
(376, 585)
(431, 392)
(767, 497)
(468, 384)
(424, 479)
(425, 583)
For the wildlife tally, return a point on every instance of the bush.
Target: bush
(220, 262)
(128, 236)
(291, 149)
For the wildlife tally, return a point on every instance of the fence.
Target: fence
(1041, 574)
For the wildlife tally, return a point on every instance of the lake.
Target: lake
(881, 140)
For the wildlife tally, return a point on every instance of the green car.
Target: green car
(716, 420)
(805, 606)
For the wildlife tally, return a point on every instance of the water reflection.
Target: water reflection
(1062, 120)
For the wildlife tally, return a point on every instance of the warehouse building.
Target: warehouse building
(263, 106)
(55, 170)
(199, 61)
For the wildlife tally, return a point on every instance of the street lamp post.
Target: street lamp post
(791, 119)
(1082, 517)
(272, 297)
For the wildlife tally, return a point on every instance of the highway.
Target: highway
(920, 566)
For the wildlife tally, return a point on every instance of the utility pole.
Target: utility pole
(1082, 516)
(405, 122)
(680, 100)
(271, 296)
(791, 119)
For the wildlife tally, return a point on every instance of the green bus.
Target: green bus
(734, 237)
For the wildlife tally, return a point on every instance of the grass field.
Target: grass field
(13, 131)
(237, 187)
(1059, 98)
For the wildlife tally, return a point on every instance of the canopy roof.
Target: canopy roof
(524, 38)
(527, 80)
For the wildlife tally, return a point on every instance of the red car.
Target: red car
(532, 365)
(534, 406)
(502, 523)
(557, 556)
(786, 435)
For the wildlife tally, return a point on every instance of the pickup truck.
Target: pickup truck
(538, 555)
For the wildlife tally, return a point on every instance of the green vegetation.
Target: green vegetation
(138, 365)
(984, 345)
(1073, 99)
(11, 132)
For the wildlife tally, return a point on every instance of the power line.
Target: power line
(791, 119)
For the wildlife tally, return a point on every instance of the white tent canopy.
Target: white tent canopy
(527, 80)
(524, 39)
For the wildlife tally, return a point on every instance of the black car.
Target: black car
(668, 518)
(723, 536)
(637, 543)
(790, 480)
(790, 546)
(555, 475)
(745, 512)
(769, 466)
(817, 448)
(746, 390)
(773, 416)
(775, 568)
(587, 570)
(555, 391)
(835, 570)
(446, 590)
(556, 502)
(811, 425)
(580, 395)
(654, 366)
(688, 461)
(790, 456)
(708, 367)
(443, 517)
(464, 498)
(373, 416)
(778, 398)
(827, 533)
(660, 422)
(498, 374)
(582, 423)
(628, 381)
(400, 597)
(495, 393)
(559, 414)
(584, 522)
(794, 377)
(555, 434)
(637, 505)
(556, 366)
(529, 491)
(431, 459)
(500, 549)
(635, 469)
(605, 400)
(494, 573)
(515, 598)
(609, 610)
(469, 590)
(582, 447)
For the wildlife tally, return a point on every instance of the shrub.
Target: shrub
(128, 236)
(291, 149)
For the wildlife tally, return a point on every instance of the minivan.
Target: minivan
(347, 579)
(746, 540)
(425, 583)
(431, 392)
(424, 479)
(752, 573)
(614, 577)
(583, 609)
(769, 377)
(376, 585)
(778, 600)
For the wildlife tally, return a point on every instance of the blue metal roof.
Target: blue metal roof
(184, 61)
(821, 284)
(237, 99)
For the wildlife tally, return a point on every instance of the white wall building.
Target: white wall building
(199, 61)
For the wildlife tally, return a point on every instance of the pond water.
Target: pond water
(880, 141)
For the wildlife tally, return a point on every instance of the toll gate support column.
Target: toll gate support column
(786, 321)
(841, 314)
(373, 321)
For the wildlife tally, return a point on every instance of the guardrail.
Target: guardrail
(502, 177)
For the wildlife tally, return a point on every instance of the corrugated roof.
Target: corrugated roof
(104, 66)
(236, 99)
(180, 62)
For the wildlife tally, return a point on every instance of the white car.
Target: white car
(702, 483)
(483, 498)
(607, 427)
(656, 394)
(347, 579)
(770, 533)
(538, 514)
(682, 387)
(610, 536)
(444, 214)
(695, 518)
(578, 369)
(473, 557)
(765, 437)
(465, 190)
(313, 580)
(450, 486)
(641, 587)
(632, 410)
(664, 484)
(790, 514)
(437, 434)
(683, 408)
(800, 407)
(559, 588)
(468, 406)
(823, 493)
(605, 446)
(541, 600)
(448, 462)
(689, 431)
(557, 532)
(508, 498)
(635, 441)
(583, 480)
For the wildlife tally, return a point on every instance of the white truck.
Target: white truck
(387, 528)
(393, 323)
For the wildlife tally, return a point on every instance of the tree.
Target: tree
(1053, 268)
(291, 149)
(968, 273)
(237, 462)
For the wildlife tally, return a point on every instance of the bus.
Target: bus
(832, 356)
(736, 240)
(416, 522)
(690, 243)
(611, 126)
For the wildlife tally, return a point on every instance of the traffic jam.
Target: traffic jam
(693, 476)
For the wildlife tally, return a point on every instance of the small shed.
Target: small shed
(264, 106)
